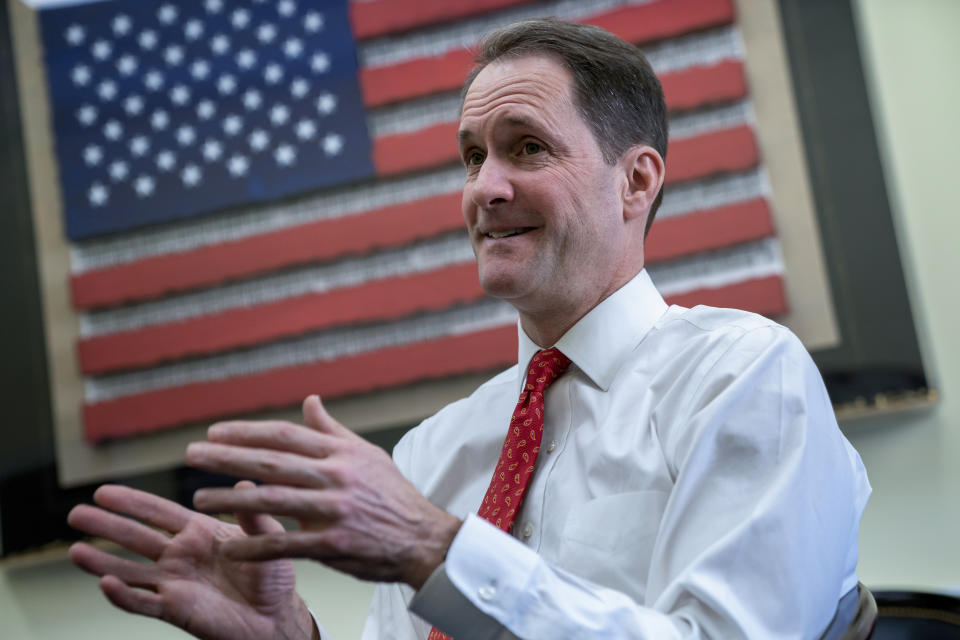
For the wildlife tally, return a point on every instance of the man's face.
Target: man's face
(544, 211)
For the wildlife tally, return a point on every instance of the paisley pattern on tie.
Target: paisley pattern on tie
(518, 458)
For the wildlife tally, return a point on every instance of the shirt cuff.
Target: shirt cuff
(481, 587)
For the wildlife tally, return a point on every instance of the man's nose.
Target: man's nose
(492, 185)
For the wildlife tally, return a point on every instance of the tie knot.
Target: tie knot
(545, 367)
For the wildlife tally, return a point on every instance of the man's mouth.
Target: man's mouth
(506, 233)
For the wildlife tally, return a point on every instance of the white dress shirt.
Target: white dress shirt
(692, 483)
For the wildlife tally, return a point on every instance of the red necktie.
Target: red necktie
(518, 458)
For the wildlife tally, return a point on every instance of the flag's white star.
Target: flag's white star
(80, 75)
(92, 155)
(259, 140)
(273, 73)
(252, 99)
(246, 59)
(193, 29)
(266, 33)
(167, 14)
(153, 80)
(191, 175)
(101, 49)
(232, 124)
(139, 146)
(299, 87)
(147, 39)
(180, 94)
(133, 105)
(212, 150)
(173, 55)
(113, 130)
(285, 155)
(332, 144)
(200, 69)
(286, 8)
(279, 114)
(87, 114)
(306, 129)
(127, 64)
(213, 6)
(118, 170)
(313, 22)
(326, 103)
(186, 135)
(75, 34)
(238, 165)
(220, 44)
(240, 18)
(107, 90)
(226, 84)
(121, 25)
(98, 194)
(293, 47)
(159, 120)
(166, 159)
(144, 186)
(320, 62)
(206, 109)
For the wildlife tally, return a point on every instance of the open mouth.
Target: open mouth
(507, 233)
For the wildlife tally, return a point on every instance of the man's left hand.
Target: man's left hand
(357, 512)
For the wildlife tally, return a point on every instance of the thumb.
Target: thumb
(316, 417)
(255, 524)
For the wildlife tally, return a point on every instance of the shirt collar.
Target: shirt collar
(602, 339)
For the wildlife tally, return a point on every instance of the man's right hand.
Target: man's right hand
(187, 581)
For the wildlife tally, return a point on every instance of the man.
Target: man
(689, 480)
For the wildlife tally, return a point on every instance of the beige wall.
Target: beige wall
(910, 531)
(912, 524)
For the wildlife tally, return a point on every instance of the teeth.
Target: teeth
(504, 234)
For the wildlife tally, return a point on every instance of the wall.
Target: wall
(910, 529)
(912, 524)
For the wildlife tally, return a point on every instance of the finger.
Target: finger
(159, 512)
(255, 524)
(277, 435)
(305, 504)
(144, 603)
(129, 534)
(266, 465)
(316, 417)
(101, 563)
(290, 544)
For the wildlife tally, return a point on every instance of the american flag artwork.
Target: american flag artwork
(369, 284)
(168, 109)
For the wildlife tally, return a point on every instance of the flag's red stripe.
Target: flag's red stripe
(723, 151)
(760, 295)
(372, 18)
(389, 367)
(316, 241)
(710, 229)
(379, 300)
(641, 23)
(436, 145)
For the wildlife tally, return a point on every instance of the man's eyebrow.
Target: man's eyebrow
(463, 135)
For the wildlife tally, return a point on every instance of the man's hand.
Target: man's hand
(188, 582)
(357, 512)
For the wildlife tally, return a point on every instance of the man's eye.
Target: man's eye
(474, 158)
(532, 148)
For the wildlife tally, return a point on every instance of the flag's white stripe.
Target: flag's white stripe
(719, 268)
(465, 34)
(252, 221)
(324, 346)
(418, 258)
(704, 195)
(694, 123)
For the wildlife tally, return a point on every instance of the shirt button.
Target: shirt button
(487, 592)
(552, 446)
(527, 531)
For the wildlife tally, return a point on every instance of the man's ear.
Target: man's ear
(644, 171)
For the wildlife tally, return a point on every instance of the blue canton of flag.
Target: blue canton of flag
(166, 109)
